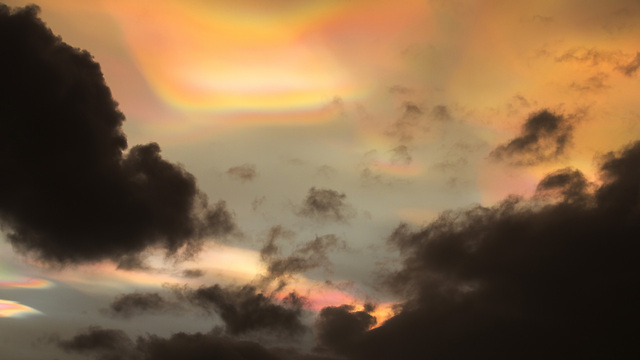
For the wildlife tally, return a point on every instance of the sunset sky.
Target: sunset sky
(277, 179)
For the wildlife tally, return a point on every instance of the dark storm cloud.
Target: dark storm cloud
(68, 192)
(244, 173)
(326, 204)
(522, 279)
(340, 328)
(631, 67)
(544, 137)
(307, 256)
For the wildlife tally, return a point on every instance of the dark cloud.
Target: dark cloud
(193, 273)
(339, 328)
(522, 279)
(326, 204)
(128, 305)
(244, 173)
(631, 67)
(68, 192)
(244, 309)
(270, 248)
(307, 256)
(109, 344)
(544, 137)
(591, 56)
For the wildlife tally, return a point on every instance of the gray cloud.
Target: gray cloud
(630, 68)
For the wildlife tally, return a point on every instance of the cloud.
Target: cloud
(307, 256)
(326, 204)
(244, 173)
(400, 155)
(244, 309)
(404, 128)
(521, 279)
(111, 344)
(69, 191)
(544, 137)
(339, 328)
(193, 273)
(631, 67)
(129, 305)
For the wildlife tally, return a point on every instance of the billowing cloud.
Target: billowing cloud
(544, 137)
(243, 173)
(70, 192)
(522, 279)
(326, 204)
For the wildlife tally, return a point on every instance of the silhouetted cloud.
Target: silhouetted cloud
(404, 128)
(128, 305)
(307, 256)
(68, 192)
(244, 309)
(544, 137)
(244, 173)
(522, 279)
(110, 344)
(326, 204)
(340, 328)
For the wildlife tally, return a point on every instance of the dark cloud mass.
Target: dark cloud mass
(522, 279)
(68, 192)
(244, 173)
(244, 309)
(128, 305)
(326, 204)
(340, 328)
(545, 136)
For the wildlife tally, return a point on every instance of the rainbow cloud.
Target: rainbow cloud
(16, 310)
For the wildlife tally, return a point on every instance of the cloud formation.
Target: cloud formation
(307, 256)
(340, 328)
(69, 192)
(243, 173)
(544, 137)
(522, 279)
(326, 204)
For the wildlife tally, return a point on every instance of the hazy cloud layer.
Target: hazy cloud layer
(544, 137)
(326, 204)
(522, 279)
(68, 192)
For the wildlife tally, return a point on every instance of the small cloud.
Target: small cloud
(544, 137)
(441, 113)
(193, 273)
(400, 90)
(400, 155)
(243, 173)
(326, 204)
(631, 67)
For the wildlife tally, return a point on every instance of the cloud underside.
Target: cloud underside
(70, 191)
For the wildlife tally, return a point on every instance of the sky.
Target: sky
(319, 180)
